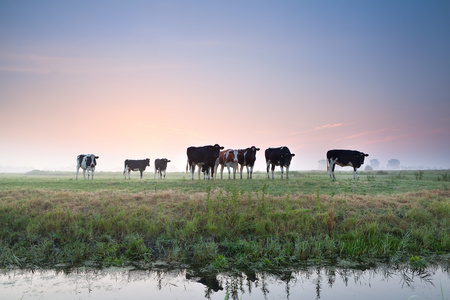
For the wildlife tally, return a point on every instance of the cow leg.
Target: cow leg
(164, 174)
(221, 171)
(141, 173)
(242, 167)
(332, 164)
(192, 170)
(92, 175)
(129, 171)
(268, 165)
(199, 170)
(229, 172)
(282, 170)
(273, 169)
(251, 171)
(287, 172)
(84, 174)
(234, 170)
(78, 169)
(355, 173)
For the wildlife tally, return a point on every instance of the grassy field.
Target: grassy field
(51, 220)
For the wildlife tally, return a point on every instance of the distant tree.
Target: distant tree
(322, 164)
(393, 164)
(368, 168)
(375, 164)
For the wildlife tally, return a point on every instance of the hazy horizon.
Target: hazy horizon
(147, 79)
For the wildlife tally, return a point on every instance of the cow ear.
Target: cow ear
(366, 154)
(292, 154)
(96, 157)
(257, 149)
(221, 148)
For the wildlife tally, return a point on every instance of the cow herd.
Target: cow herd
(208, 158)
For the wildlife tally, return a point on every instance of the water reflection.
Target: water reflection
(319, 282)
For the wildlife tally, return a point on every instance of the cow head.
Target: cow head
(91, 160)
(216, 150)
(250, 154)
(286, 157)
(361, 157)
(147, 162)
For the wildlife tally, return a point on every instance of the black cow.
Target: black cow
(247, 157)
(161, 166)
(279, 157)
(344, 158)
(135, 165)
(205, 157)
(87, 163)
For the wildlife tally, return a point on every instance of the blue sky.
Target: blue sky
(137, 79)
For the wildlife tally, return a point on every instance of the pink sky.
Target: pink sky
(149, 79)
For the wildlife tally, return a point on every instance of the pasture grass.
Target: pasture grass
(49, 219)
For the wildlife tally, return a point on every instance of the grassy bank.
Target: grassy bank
(50, 219)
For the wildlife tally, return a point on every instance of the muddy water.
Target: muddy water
(308, 283)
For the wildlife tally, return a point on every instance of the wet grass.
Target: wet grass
(49, 219)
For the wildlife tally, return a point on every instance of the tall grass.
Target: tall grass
(225, 224)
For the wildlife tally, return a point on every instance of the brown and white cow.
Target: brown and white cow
(228, 158)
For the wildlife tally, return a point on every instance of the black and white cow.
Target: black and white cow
(87, 162)
(204, 157)
(161, 166)
(247, 157)
(279, 157)
(344, 158)
(135, 165)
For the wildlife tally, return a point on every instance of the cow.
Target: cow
(228, 158)
(204, 157)
(344, 158)
(278, 157)
(247, 157)
(135, 165)
(87, 163)
(161, 166)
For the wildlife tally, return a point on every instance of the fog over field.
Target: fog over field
(147, 79)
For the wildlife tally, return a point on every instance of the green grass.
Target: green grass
(50, 219)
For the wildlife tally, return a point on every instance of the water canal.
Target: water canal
(314, 282)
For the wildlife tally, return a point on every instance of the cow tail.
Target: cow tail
(328, 165)
(187, 163)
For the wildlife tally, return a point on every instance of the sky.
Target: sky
(147, 79)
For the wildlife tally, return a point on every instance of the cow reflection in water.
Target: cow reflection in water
(211, 282)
